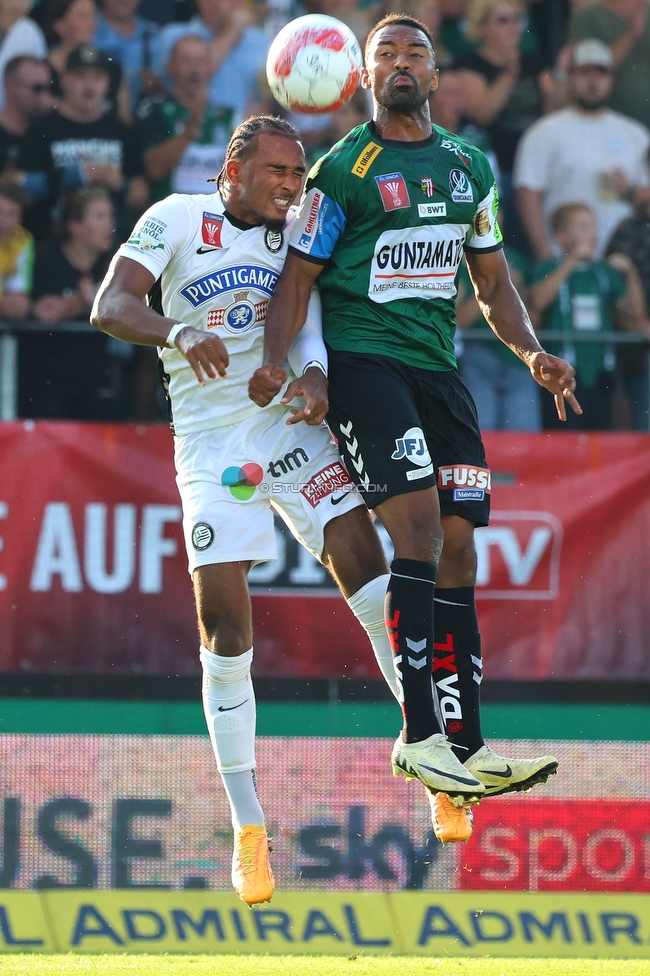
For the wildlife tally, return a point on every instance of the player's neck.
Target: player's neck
(399, 127)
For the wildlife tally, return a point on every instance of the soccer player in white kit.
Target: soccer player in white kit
(209, 264)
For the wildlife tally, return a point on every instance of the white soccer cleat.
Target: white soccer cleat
(434, 764)
(499, 775)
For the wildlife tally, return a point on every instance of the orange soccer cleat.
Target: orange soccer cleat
(252, 876)
(451, 822)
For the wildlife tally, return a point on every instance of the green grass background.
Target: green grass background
(313, 966)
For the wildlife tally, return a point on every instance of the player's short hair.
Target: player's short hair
(75, 207)
(407, 21)
(242, 141)
(11, 191)
(562, 217)
(14, 65)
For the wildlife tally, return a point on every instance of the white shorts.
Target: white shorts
(231, 478)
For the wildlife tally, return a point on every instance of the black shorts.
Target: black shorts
(402, 429)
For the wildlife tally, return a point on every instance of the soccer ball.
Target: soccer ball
(314, 64)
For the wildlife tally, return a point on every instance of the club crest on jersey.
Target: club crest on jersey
(211, 286)
(460, 187)
(211, 229)
(393, 190)
(427, 186)
(274, 240)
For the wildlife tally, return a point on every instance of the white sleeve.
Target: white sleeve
(308, 346)
(640, 175)
(20, 280)
(159, 234)
(531, 159)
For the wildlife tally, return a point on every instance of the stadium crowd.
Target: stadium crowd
(107, 107)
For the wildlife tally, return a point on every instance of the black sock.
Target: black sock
(457, 668)
(409, 620)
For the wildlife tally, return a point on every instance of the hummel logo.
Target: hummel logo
(205, 250)
(496, 772)
(231, 708)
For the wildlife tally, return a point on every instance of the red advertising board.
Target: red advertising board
(93, 575)
(528, 844)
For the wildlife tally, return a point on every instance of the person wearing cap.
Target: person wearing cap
(81, 143)
(625, 26)
(585, 153)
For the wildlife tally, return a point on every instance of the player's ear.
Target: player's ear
(232, 172)
(365, 79)
(434, 80)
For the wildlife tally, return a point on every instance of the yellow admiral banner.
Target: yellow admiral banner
(436, 924)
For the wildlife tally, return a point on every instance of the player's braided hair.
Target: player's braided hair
(242, 139)
(390, 19)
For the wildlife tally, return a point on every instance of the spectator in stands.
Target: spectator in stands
(625, 26)
(505, 91)
(237, 51)
(66, 374)
(72, 24)
(16, 254)
(20, 35)
(632, 238)
(184, 138)
(585, 153)
(80, 143)
(578, 293)
(453, 33)
(505, 393)
(28, 96)
(129, 40)
(447, 105)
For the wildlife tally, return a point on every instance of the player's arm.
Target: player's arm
(504, 310)
(285, 316)
(120, 310)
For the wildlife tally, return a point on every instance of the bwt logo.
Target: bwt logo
(412, 446)
(519, 556)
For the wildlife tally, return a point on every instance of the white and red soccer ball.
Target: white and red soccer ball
(314, 64)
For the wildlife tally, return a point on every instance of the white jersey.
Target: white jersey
(213, 275)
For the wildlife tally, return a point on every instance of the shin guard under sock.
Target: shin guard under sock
(457, 668)
(409, 621)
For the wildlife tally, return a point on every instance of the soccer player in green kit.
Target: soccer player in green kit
(387, 216)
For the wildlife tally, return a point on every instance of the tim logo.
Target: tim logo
(412, 447)
(290, 462)
(211, 229)
(394, 194)
(519, 556)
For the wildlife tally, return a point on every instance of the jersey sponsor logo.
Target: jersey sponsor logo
(412, 447)
(242, 481)
(211, 228)
(416, 262)
(239, 316)
(482, 222)
(292, 460)
(460, 187)
(365, 159)
(468, 495)
(202, 536)
(418, 473)
(393, 190)
(457, 150)
(326, 482)
(147, 235)
(432, 209)
(145, 243)
(427, 186)
(211, 286)
(312, 219)
(274, 239)
(464, 476)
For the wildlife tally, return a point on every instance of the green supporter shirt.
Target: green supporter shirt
(390, 222)
(584, 303)
(203, 157)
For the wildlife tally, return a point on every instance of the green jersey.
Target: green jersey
(390, 222)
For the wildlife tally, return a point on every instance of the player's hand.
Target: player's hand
(312, 385)
(265, 383)
(559, 377)
(204, 351)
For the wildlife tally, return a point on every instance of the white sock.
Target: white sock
(229, 707)
(367, 604)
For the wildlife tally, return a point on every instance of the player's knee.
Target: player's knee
(223, 636)
(458, 564)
